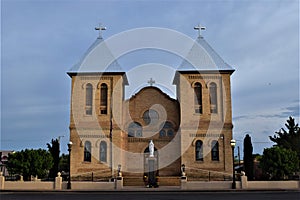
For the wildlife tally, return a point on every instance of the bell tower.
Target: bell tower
(96, 113)
(203, 91)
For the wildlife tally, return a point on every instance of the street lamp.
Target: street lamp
(183, 170)
(232, 144)
(69, 179)
(119, 170)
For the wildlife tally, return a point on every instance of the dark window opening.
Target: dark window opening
(87, 151)
(199, 150)
(88, 99)
(198, 97)
(215, 150)
(103, 151)
(103, 98)
(213, 98)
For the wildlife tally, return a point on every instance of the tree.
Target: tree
(248, 157)
(289, 139)
(30, 162)
(64, 163)
(279, 162)
(54, 150)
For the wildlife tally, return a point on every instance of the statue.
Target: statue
(151, 148)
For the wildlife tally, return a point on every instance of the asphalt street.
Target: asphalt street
(172, 195)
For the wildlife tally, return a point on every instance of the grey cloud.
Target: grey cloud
(291, 111)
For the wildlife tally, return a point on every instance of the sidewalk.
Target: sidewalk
(153, 190)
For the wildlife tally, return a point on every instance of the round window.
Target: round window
(150, 116)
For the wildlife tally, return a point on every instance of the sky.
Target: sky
(42, 40)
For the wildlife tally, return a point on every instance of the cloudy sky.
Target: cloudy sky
(42, 40)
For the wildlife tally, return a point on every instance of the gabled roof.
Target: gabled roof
(98, 58)
(147, 88)
(202, 57)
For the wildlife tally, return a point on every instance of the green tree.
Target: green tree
(279, 162)
(248, 157)
(290, 138)
(30, 162)
(54, 150)
(64, 163)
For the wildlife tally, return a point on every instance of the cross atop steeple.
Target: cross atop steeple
(100, 28)
(151, 81)
(199, 28)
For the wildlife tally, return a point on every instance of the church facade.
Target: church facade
(110, 133)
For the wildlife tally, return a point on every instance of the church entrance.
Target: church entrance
(151, 168)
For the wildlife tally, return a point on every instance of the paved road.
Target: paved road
(244, 195)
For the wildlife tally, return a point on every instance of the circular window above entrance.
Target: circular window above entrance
(150, 116)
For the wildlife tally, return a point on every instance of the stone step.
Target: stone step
(133, 181)
(163, 181)
(169, 181)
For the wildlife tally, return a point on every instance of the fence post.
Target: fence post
(2, 181)
(58, 182)
(244, 181)
(183, 182)
(119, 183)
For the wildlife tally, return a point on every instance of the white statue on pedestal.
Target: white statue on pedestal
(151, 148)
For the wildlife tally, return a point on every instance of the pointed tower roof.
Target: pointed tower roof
(202, 57)
(97, 59)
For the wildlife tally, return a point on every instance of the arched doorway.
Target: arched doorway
(151, 167)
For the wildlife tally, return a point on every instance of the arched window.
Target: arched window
(198, 98)
(103, 99)
(215, 150)
(166, 129)
(135, 130)
(103, 151)
(87, 151)
(88, 99)
(213, 98)
(199, 150)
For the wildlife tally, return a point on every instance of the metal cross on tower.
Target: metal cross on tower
(100, 28)
(151, 81)
(200, 28)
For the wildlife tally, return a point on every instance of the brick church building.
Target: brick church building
(111, 133)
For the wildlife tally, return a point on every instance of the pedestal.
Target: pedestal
(244, 182)
(58, 182)
(119, 183)
(2, 181)
(183, 181)
(152, 172)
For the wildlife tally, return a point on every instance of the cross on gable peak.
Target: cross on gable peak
(151, 81)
